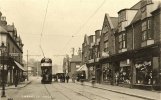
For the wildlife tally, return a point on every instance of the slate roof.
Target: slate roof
(2, 30)
(136, 6)
(114, 21)
(137, 17)
(9, 28)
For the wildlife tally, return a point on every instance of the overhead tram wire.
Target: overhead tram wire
(43, 28)
(83, 25)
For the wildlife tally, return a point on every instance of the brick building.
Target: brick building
(129, 47)
(12, 56)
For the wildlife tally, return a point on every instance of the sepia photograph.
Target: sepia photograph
(80, 49)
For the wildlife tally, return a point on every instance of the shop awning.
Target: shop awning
(19, 65)
(82, 68)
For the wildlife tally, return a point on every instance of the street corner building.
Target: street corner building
(11, 54)
(127, 50)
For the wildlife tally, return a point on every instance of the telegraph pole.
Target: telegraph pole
(28, 66)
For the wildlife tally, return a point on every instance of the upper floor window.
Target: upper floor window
(106, 37)
(106, 46)
(146, 33)
(105, 29)
(144, 25)
(122, 16)
(122, 41)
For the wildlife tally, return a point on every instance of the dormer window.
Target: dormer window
(122, 16)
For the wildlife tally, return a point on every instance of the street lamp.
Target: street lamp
(3, 48)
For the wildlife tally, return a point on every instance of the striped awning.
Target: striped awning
(19, 65)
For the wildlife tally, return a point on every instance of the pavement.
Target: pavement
(20, 85)
(144, 94)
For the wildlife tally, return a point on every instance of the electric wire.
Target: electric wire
(83, 25)
(43, 27)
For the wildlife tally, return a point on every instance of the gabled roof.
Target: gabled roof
(113, 21)
(136, 6)
(76, 58)
(137, 17)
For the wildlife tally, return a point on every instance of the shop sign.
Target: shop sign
(145, 63)
(14, 54)
(125, 63)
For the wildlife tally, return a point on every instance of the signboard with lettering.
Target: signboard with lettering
(14, 54)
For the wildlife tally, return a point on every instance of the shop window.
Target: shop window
(124, 75)
(144, 72)
(107, 73)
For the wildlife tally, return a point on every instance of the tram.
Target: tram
(46, 71)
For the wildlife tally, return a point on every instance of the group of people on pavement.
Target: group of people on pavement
(64, 78)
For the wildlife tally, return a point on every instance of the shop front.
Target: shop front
(91, 71)
(106, 73)
(146, 68)
(13, 71)
(125, 72)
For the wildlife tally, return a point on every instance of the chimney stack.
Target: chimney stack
(3, 21)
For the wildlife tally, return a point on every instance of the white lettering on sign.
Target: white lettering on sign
(14, 54)
(46, 64)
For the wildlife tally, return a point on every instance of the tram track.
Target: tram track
(52, 98)
(72, 91)
(57, 90)
(76, 89)
(85, 92)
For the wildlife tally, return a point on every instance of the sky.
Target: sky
(66, 23)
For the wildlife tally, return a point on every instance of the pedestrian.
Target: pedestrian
(67, 78)
(73, 78)
(82, 78)
(64, 78)
(93, 80)
(117, 78)
(16, 81)
(61, 78)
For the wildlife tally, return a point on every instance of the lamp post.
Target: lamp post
(2, 48)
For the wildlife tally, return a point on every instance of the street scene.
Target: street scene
(67, 91)
(80, 49)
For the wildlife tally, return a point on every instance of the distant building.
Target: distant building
(75, 63)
